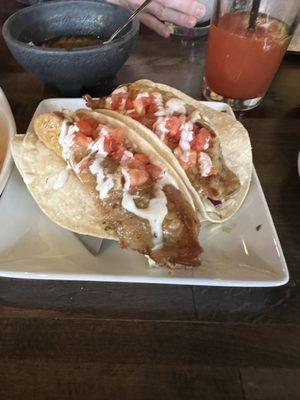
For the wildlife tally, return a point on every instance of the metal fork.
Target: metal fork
(132, 16)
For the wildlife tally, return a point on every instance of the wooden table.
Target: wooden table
(85, 340)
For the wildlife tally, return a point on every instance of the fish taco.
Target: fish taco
(210, 150)
(93, 174)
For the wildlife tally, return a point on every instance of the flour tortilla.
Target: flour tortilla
(235, 147)
(70, 206)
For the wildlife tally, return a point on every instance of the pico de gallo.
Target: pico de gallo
(115, 146)
(179, 126)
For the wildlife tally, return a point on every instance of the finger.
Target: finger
(170, 15)
(153, 23)
(189, 7)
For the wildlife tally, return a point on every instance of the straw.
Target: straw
(254, 14)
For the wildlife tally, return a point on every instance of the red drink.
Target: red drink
(241, 62)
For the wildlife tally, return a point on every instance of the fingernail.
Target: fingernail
(200, 11)
(167, 32)
(191, 22)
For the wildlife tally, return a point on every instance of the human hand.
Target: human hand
(181, 12)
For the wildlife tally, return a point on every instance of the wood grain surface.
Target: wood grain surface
(87, 340)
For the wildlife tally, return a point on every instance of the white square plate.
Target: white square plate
(31, 246)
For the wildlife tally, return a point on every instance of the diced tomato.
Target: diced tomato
(139, 106)
(200, 140)
(173, 137)
(123, 245)
(118, 154)
(108, 144)
(117, 134)
(146, 111)
(129, 104)
(91, 121)
(87, 125)
(94, 135)
(84, 164)
(193, 157)
(134, 115)
(154, 171)
(96, 131)
(192, 160)
(82, 140)
(117, 99)
(142, 158)
(146, 100)
(114, 140)
(172, 141)
(152, 109)
(96, 127)
(181, 157)
(136, 164)
(198, 143)
(147, 120)
(137, 177)
(184, 165)
(84, 126)
(99, 127)
(115, 102)
(173, 125)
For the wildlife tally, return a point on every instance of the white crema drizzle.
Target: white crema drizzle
(160, 124)
(98, 145)
(205, 164)
(157, 209)
(161, 112)
(141, 95)
(160, 127)
(195, 116)
(186, 137)
(104, 183)
(175, 105)
(66, 139)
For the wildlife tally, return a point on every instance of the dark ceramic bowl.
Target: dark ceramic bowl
(77, 69)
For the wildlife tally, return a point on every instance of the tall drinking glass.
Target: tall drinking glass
(247, 41)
